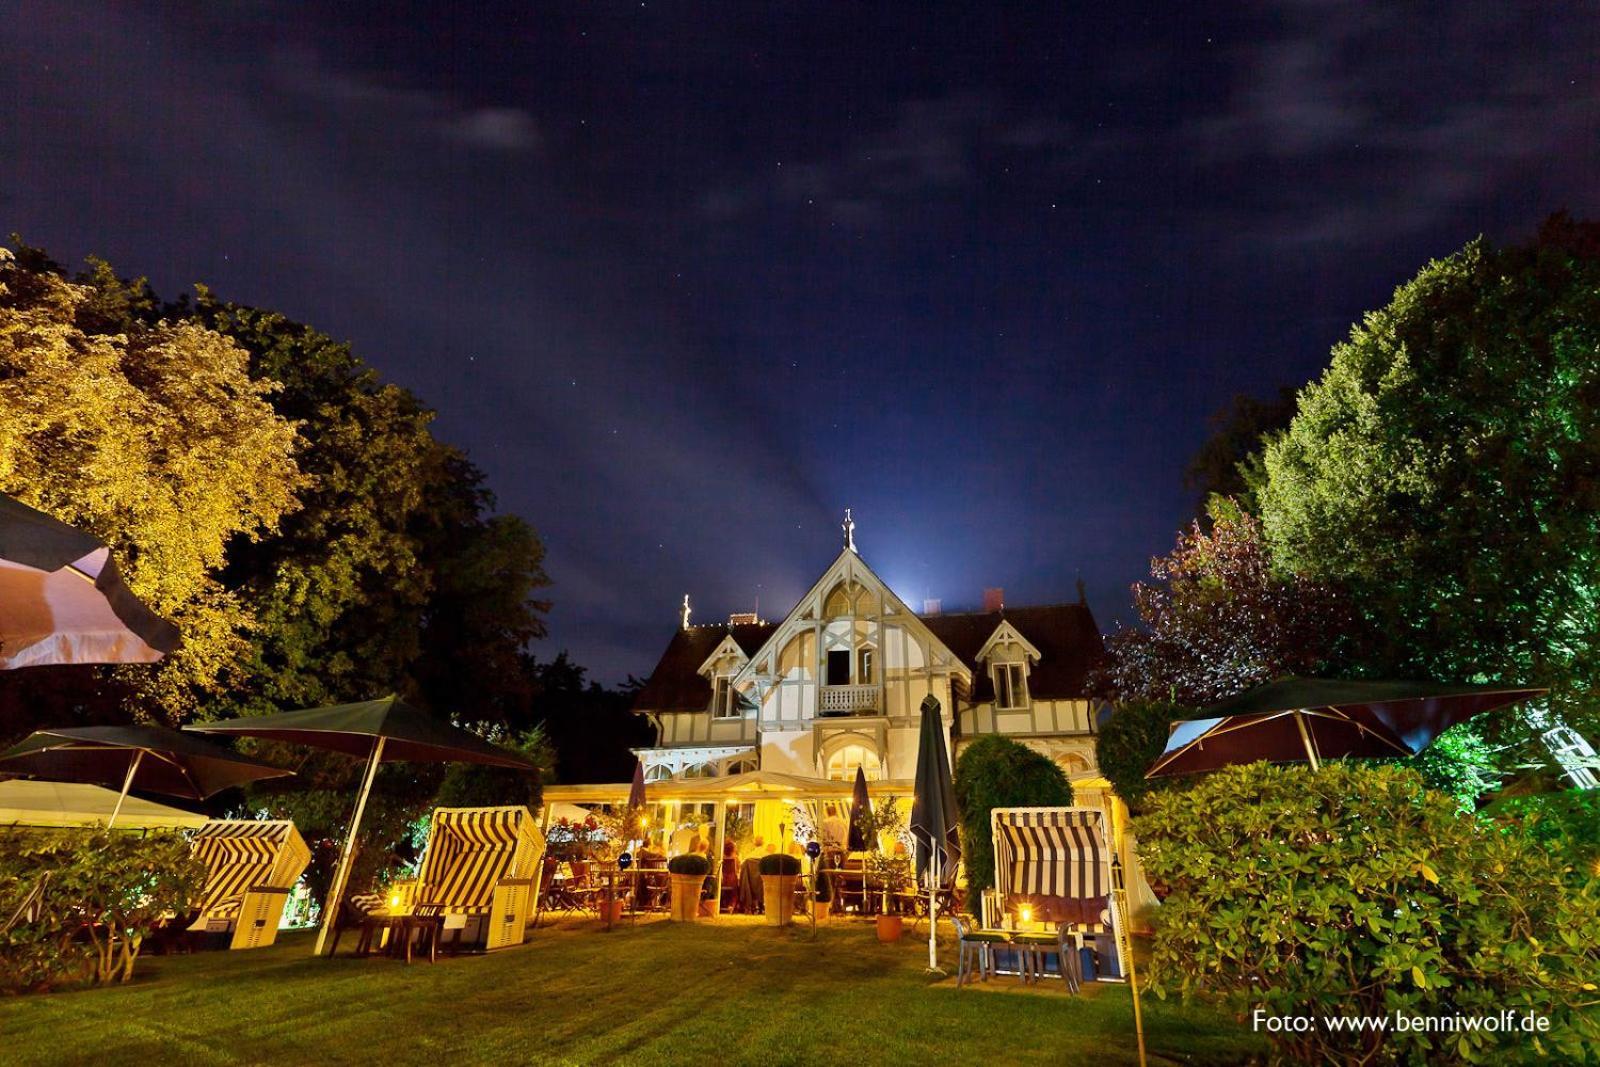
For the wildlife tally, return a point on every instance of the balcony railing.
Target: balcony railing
(849, 700)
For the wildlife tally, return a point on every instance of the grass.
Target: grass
(731, 991)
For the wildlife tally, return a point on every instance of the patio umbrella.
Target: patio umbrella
(860, 806)
(151, 758)
(62, 600)
(1312, 719)
(934, 820)
(386, 729)
(636, 797)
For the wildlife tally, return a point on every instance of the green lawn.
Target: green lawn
(707, 993)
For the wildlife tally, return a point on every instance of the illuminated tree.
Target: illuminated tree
(156, 439)
(1447, 469)
(1220, 618)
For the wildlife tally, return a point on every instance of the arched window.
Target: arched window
(741, 766)
(843, 762)
(700, 770)
(658, 772)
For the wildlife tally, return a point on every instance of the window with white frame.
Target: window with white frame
(843, 762)
(658, 772)
(1010, 686)
(724, 699)
(864, 658)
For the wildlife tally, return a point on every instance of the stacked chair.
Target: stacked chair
(251, 866)
(478, 874)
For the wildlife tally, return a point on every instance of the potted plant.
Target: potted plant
(887, 874)
(778, 872)
(688, 873)
(821, 897)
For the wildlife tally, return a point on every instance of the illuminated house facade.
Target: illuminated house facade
(837, 684)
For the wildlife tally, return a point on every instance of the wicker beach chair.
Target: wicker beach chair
(478, 872)
(251, 865)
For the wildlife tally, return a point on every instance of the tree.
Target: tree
(1444, 468)
(1356, 892)
(1220, 618)
(1131, 739)
(590, 726)
(997, 772)
(1229, 463)
(157, 440)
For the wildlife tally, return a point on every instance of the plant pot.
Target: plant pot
(616, 907)
(819, 908)
(686, 897)
(890, 927)
(777, 898)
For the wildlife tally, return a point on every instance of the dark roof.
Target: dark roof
(1065, 634)
(676, 684)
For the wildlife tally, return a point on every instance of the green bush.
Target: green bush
(689, 863)
(1129, 742)
(1566, 823)
(780, 863)
(1356, 891)
(996, 772)
(103, 892)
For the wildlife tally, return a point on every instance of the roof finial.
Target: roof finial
(849, 528)
(683, 612)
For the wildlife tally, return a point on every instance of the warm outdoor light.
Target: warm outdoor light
(1026, 914)
(394, 901)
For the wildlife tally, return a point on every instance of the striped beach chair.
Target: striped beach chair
(1056, 863)
(250, 868)
(479, 870)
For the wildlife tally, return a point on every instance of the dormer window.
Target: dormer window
(724, 699)
(1010, 687)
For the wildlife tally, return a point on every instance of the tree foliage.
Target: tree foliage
(1131, 740)
(1219, 618)
(1229, 463)
(1444, 467)
(1355, 891)
(997, 772)
(156, 439)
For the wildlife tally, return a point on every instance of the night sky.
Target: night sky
(686, 280)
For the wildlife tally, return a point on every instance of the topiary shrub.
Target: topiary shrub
(1356, 892)
(780, 863)
(1129, 741)
(689, 863)
(996, 772)
(77, 904)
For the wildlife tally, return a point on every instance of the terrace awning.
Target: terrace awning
(735, 788)
(30, 803)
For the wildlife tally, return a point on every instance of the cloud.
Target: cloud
(376, 104)
(1374, 136)
(930, 146)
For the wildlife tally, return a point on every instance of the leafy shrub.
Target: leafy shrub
(996, 772)
(780, 863)
(689, 863)
(1566, 823)
(102, 893)
(1131, 739)
(1356, 891)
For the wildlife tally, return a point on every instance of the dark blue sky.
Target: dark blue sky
(688, 279)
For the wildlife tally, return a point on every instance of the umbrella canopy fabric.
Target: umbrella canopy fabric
(150, 758)
(636, 798)
(29, 803)
(860, 807)
(934, 820)
(1312, 719)
(408, 733)
(62, 600)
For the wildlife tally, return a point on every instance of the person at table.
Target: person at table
(835, 829)
(649, 857)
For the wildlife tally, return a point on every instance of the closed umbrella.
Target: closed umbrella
(1309, 720)
(386, 729)
(860, 811)
(62, 600)
(149, 758)
(636, 792)
(935, 823)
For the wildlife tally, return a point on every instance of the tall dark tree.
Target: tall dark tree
(1229, 463)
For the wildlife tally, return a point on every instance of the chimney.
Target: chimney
(994, 600)
(931, 606)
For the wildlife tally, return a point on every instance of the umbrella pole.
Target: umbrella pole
(330, 907)
(934, 882)
(1305, 736)
(127, 783)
